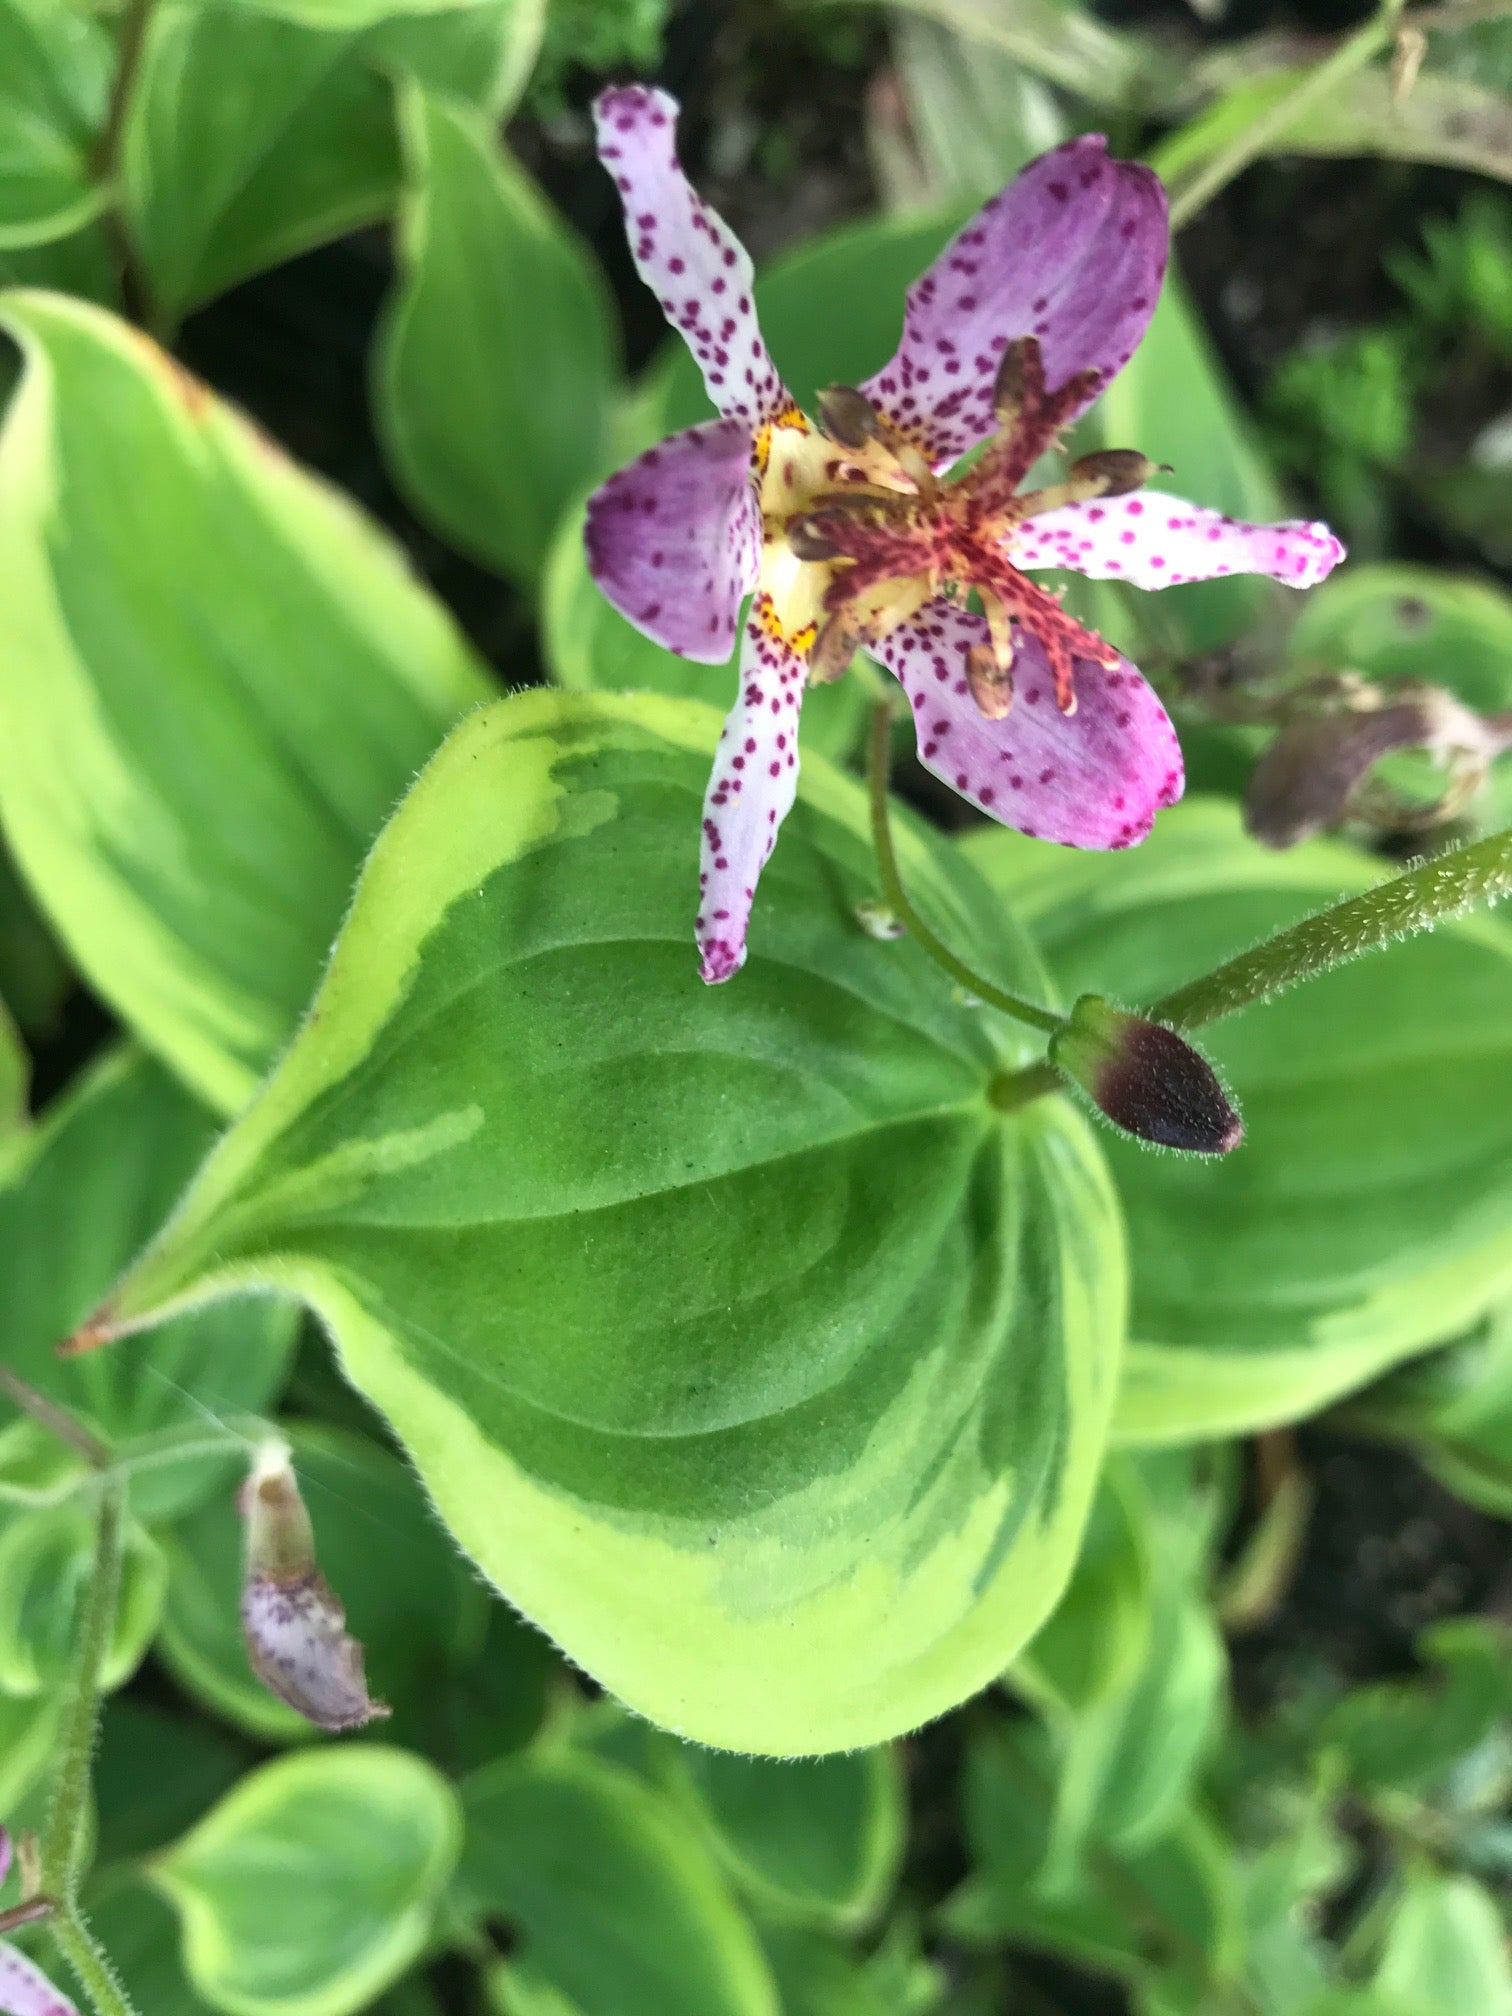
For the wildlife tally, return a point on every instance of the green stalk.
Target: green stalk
(1415, 901)
(897, 896)
(1352, 54)
(64, 1837)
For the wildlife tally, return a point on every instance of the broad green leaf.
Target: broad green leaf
(34, 976)
(831, 311)
(250, 138)
(1172, 401)
(813, 1840)
(1066, 44)
(736, 1338)
(1096, 1639)
(216, 679)
(617, 1902)
(495, 362)
(972, 117)
(1414, 1733)
(1368, 1212)
(28, 1732)
(15, 1076)
(819, 1976)
(55, 68)
(518, 1990)
(78, 1196)
(589, 647)
(1455, 1410)
(313, 1884)
(154, 1776)
(525, 16)
(81, 263)
(46, 1566)
(1446, 1949)
(408, 1597)
(139, 1932)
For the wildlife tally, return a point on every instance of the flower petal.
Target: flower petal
(1095, 778)
(25, 1990)
(686, 254)
(1073, 251)
(1157, 541)
(674, 540)
(751, 791)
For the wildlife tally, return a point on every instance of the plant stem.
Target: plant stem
(1411, 902)
(106, 161)
(54, 1418)
(1351, 55)
(94, 1972)
(897, 896)
(63, 1838)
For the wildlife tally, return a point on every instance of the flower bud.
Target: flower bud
(1148, 1080)
(293, 1625)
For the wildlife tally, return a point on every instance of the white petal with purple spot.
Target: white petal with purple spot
(674, 540)
(686, 254)
(1092, 779)
(751, 791)
(1155, 541)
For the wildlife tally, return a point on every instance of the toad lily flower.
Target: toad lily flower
(852, 532)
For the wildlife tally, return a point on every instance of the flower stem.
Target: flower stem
(93, 1971)
(1351, 55)
(63, 1838)
(57, 1420)
(897, 897)
(1435, 889)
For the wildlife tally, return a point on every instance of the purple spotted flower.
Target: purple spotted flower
(852, 532)
(24, 1989)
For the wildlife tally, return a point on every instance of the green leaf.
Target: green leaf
(816, 1840)
(139, 1932)
(619, 1906)
(78, 1195)
(155, 1775)
(28, 1731)
(34, 977)
(495, 363)
(735, 1336)
(314, 1884)
(1096, 1639)
(46, 1562)
(1413, 1733)
(408, 1597)
(216, 679)
(15, 1077)
(818, 1976)
(525, 16)
(589, 647)
(1446, 1949)
(251, 138)
(1366, 1215)
(1455, 1410)
(55, 69)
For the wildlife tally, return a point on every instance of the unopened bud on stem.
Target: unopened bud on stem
(1147, 1080)
(292, 1622)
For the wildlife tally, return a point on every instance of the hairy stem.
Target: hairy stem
(63, 1838)
(897, 896)
(1435, 889)
(92, 1970)
(1351, 55)
(57, 1420)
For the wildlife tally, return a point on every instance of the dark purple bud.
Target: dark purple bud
(1116, 471)
(292, 1622)
(1147, 1080)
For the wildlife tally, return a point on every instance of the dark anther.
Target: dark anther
(811, 539)
(834, 648)
(1117, 470)
(991, 684)
(847, 416)
(1020, 377)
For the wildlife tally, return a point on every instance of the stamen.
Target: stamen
(848, 416)
(834, 648)
(1115, 471)
(991, 683)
